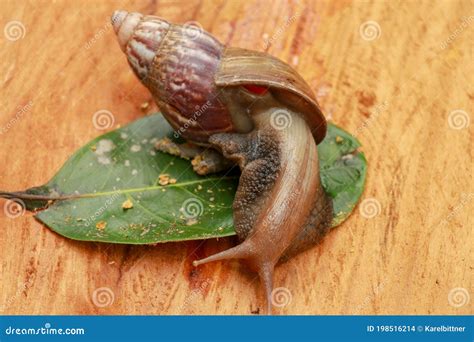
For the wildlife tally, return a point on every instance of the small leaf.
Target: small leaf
(110, 191)
(343, 170)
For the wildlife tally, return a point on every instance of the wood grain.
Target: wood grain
(395, 93)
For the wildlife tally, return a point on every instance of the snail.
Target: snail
(246, 107)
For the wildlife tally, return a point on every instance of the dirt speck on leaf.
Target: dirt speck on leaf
(101, 225)
(127, 204)
(104, 146)
(164, 179)
(191, 221)
(135, 148)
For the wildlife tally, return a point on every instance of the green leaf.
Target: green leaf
(343, 170)
(109, 189)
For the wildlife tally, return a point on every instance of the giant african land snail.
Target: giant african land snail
(259, 113)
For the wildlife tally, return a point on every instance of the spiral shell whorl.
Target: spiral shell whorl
(124, 24)
(139, 37)
(182, 81)
(144, 44)
(177, 63)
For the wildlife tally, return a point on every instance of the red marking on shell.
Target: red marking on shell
(255, 89)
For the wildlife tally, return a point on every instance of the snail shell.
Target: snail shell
(176, 63)
(185, 68)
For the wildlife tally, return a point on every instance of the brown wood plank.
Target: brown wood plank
(395, 93)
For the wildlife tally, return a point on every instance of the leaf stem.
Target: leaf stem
(24, 195)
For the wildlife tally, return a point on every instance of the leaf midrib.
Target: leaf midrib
(153, 187)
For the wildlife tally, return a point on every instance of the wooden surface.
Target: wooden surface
(395, 93)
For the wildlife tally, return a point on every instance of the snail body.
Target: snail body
(259, 113)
